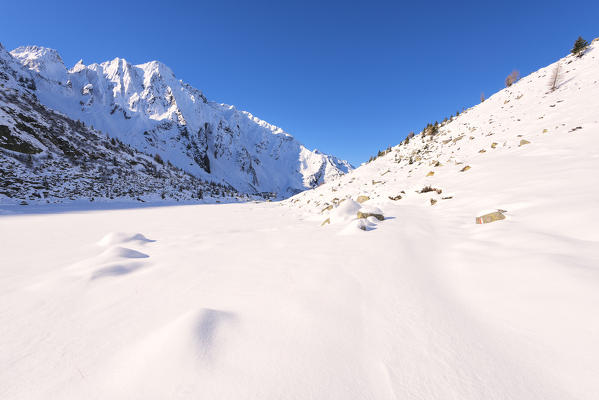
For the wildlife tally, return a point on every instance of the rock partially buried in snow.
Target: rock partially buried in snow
(466, 168)
(365, 214)
(523, 142)
(328, 208)
(395, 198)
(490, 217)
(362, 199)
(430, 173)
(433, 202)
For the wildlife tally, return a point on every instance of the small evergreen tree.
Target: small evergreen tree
(579, 46)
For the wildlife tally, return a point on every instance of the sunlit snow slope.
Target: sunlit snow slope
(259, 301)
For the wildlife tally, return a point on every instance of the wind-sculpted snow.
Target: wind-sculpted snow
(147, 107)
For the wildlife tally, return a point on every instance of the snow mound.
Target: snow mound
(345, 212)
(114, 238)
(122, 252)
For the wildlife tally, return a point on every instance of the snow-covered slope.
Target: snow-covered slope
(147, 107)
(476, 157)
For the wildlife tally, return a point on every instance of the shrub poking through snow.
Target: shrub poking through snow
(433, 202)
(466, 168)
(395, 198)
(429, 188)
(523, 142)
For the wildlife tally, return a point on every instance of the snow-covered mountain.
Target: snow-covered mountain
(47, 157)
(148, 108)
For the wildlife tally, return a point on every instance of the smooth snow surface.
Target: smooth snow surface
(259, 301)
(252, 301)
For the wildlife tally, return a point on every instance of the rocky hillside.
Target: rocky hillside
(48, 157)
(525, 140)
(147, 107)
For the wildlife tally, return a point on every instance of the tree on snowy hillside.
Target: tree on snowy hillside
(512, 78)
(579, 46)
(554, 78)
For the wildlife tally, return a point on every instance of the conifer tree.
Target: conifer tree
(579, 46)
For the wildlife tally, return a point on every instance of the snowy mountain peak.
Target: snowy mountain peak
(45, 61)
(77, 67)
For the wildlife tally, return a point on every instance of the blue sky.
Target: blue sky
(345, 77)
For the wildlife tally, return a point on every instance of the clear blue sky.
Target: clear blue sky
(345, 77)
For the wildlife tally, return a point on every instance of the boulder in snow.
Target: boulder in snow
(362, 199)
(366, 214)
(490, 217)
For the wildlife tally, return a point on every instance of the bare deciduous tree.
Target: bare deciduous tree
(482, 96)
(512, 78)
(554, 78)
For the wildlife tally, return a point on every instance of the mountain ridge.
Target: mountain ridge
(148, 108)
